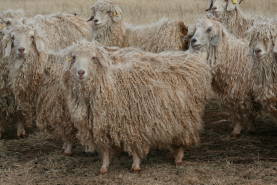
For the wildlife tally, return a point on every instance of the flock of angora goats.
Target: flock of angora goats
(113, 86)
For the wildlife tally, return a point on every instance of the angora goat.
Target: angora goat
(263, 36)
(109, 29)
(25, 47)
(137, 101)
(231, 65)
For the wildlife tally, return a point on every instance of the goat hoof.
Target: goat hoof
(136, 170)
(178, 163)
(67, 154)
(22, 135)
(103, 171)
(234, 135)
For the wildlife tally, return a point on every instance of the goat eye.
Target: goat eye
(109, 12)
(209, 30)
(94, 58)
(73, 59)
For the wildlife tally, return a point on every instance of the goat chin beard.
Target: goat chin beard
(81, 78)
(21, 56)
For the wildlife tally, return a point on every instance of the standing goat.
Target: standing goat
(231, 65)
(229, 13)
(263, 37)
(109, 29)
(137, 101)
(8, 109)
(25, 48)
(52, 114)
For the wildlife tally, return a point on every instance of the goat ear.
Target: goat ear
(65, 79)
(39, 43)
(231, 5)
(183, 28)
(275, 48)
(8, 49)
(7, 46)
(191, 32)
(102, 58)
(215, 40)
(2, 26)
(117, 14)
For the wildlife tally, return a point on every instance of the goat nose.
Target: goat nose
(257, 51)
(21, 50)
(81, 72)
(194, 40)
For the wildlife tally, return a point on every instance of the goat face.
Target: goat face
(86, 62)
(261, 48)
(219, 7)
(80, 66)
(207, 32)
(105, 13)
(21, 41)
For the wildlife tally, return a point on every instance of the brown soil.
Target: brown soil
(220, 160)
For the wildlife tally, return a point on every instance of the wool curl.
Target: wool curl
(141, 100)
(237, 22)
(61, 30)
(156, 37)
(12, 13)
(8, 18)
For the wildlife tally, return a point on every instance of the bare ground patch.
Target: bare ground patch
(219, 160)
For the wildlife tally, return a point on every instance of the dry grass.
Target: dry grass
(138, 11)
(249, 160)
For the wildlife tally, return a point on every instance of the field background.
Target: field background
(219, 160)
(138, 11)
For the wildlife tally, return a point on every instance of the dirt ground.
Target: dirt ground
(219, 160)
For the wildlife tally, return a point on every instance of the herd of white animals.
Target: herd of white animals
(113, 86)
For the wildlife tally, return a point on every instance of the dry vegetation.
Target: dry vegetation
(137, 11)
(249, 160)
